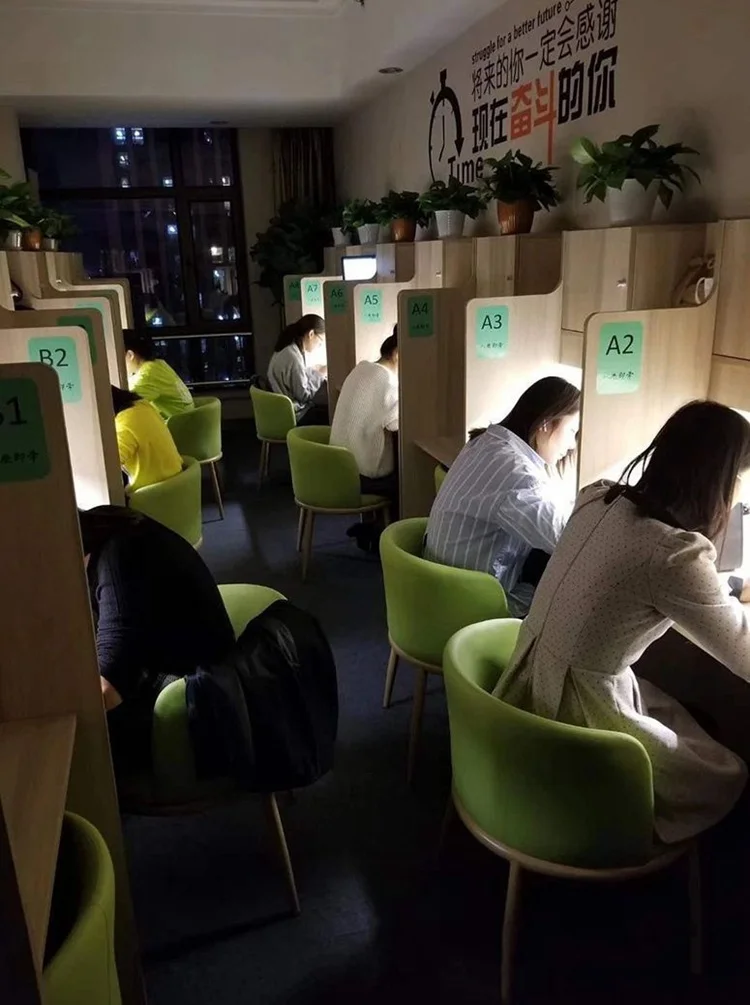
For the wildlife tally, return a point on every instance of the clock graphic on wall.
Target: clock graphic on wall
(446, 129)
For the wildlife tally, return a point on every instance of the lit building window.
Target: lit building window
(123, 160)
(136, 135)
(120, 134)
(156, 321)
(124, 182)
(216, 252)
(172, 229)
(226, 180)
(167, 182)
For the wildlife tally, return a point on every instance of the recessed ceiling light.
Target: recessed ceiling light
(389, 70)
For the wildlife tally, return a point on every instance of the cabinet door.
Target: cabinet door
(733, 293)
(661, 257)
(596, 273)
(495, 266)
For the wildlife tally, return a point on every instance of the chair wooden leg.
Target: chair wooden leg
(217, 488)
(696, 911)
(267, 461)
(274, 819)
(390, 677)
(301, 527)
(262, 463)
(307, 541)
(420, 686)
(510, 932)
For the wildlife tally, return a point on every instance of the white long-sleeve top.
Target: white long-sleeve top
(498, 502)
(366, 415)
(289, 374)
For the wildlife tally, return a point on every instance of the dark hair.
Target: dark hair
(100, 524)
(295, 332)
(388, 348)
(547, 401)
(690, 468)
(139, 344)
(122, 398)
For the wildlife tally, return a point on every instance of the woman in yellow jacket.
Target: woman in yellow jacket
(147, 451)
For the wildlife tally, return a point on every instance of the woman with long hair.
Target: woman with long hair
(147, 451)
(633, 560)
(502, 507)
(290, 371)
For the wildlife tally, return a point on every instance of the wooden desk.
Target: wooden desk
(444, 449)
(35, 757)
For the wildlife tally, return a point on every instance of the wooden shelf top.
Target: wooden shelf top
(444, 449)
(35, 756)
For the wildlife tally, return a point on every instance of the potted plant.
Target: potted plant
(55, 227)
(520, 187)
(292, 244)
(404, 213)
(341, 233)
(362, 215)
(631, 172)
(451, 203)
(32, 235)
(13, 201)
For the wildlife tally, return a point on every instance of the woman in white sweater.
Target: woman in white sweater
(632, 561)
(290, 372)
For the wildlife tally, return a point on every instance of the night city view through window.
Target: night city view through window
(162, 208)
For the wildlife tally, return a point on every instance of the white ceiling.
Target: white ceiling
(251, 62)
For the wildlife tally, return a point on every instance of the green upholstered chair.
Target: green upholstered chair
(175, 787)
(440, 473)
(175, 502)
(550, 798)
(274, 417)
(325, 480)
(83, 968)
(197, 434)
(426, 603)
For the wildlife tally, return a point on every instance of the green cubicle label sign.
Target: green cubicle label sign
(23, 444)
(371, 306)
(420, 312)
(619, 359)
(313, 293)
(492, 332)
(60, 353)
(295, 291)
(336, 298)
(80, 321)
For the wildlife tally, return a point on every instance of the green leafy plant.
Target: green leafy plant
(56, 225)
(335, 218)
(292, 244)
(15, 202)
(453, 195)
(402, 206)
(638, 157)
(359, 213)
(516, 178)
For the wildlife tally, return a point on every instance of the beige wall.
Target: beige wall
(682, 63)
(11, 155)
(257, 193)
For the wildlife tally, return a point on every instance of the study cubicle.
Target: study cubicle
(65, 272)
(54, 748)
(28, 270)
(295, 300)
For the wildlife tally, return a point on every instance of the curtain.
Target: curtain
(303, 168)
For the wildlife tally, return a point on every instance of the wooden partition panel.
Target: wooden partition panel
(519, 265)
(675, 359)
(338, 298)
(730, 382)
(510, 343)
(311, 294)
(49, 665)
(432, 423)
(375, 314)
(92, 443)
(65, 275)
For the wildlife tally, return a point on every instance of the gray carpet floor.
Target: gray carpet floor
(381, 922)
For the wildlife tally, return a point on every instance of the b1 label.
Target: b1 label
(619, 358)
(371, 306)
(60, 353)
(313, 293)
(421, 316)
(23, 443)
(492, 332)
(336, 298)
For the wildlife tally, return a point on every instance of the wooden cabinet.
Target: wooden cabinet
(522, 265)
(625, 268)
(732, 336)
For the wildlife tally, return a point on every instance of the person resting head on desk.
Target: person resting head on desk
(154, 379)
(633, 561)
(158, 614)
(147, 451)
(502, 506)
(291, 373)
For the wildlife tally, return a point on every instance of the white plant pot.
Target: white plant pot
(14, 240)
(341, 238)
(369, 234)
(632, 203)
(450, 223)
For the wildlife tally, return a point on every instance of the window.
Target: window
(163, 208)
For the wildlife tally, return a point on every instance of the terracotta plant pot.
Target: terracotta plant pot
(404, 230)
(515, 217)
(32, 240)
